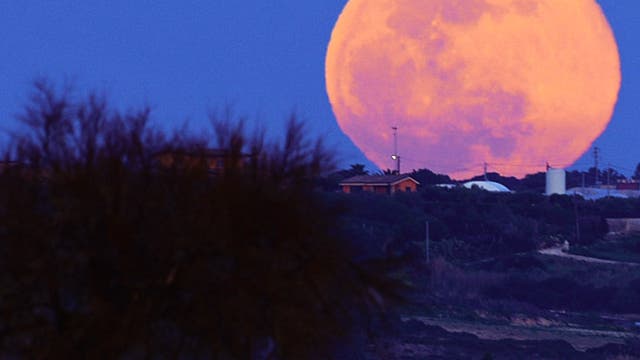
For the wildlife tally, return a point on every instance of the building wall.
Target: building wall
(213, 163)
(406, 185)
(628, 186)
(623, 226)
(168, 160)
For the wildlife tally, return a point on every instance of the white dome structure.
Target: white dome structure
(487, 185)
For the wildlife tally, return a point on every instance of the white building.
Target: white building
(487, 185)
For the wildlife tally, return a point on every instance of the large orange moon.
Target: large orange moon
(511, 83)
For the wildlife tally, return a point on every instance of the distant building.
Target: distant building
(623, 226)
(215, 160)
(628, 186)
(591, 193)
(5, 165)
(621, 189)
(446, 186)
(556, 181)
(379, 184)
(487, 186)
(22, 169)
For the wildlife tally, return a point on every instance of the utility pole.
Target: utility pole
(575, 211)
(596, 154)
(485, 172)
(608, 180)
(395, 155)
(426, 240)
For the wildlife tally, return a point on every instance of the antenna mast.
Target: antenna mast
(395, 155)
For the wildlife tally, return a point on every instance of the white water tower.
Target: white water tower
(556, 181)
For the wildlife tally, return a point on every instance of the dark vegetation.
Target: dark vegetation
(522, 292)
(471, 224)
(484, 268)
(570, 286)
(433, 342)
(527, 284)
(109, 252)
(105, 253)
(625, 248)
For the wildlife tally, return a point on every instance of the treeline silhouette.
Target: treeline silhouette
(106, 252)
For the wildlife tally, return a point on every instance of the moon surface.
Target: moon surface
(511, 83)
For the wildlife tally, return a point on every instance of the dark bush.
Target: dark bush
(505, 264)
(108, 252)
(555, 293)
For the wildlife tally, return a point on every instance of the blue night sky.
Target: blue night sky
(265, 58)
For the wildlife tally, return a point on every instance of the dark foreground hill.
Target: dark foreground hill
(415, 340)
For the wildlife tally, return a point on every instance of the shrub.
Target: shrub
(107, 252)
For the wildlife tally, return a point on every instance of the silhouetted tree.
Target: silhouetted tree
(636, 173)
(357, 169)
(108, 253)
(331, 181)
(612, 175)
(427, 177)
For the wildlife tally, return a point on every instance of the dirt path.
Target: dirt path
(580, 338)
(557, 251)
